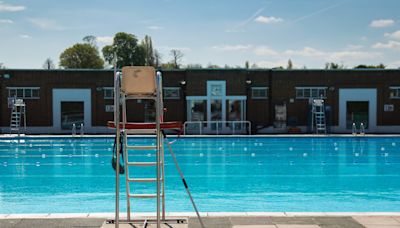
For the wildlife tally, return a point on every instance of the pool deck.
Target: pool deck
(214, 220)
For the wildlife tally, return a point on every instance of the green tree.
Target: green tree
(148, 50)
(177, 56)
(332, 65)
(247, 65)
(90, 39)
(363, 66)
(157, 58)
(81, 56)
(125, 49)
(289, 65)
(49, 64)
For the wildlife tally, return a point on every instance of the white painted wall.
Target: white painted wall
(83, 95)
(346, 95)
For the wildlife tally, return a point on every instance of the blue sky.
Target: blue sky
(264, 32)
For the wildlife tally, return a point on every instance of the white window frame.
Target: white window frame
(24, 89)
(394, 96)
(172, 88)
(105, 95)
(259, 88)
(310, 88)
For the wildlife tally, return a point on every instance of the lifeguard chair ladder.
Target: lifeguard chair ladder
(318, 116)
(142, 83)
(18, 115)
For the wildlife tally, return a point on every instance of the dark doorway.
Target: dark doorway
(71, 113)
(357, 112)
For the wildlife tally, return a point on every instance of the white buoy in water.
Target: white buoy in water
(253, 154)
(43, 155)
(382, 148)
(96, 155)
(336, 148)
(16, 155)
(70, 155)
(356, 154)
(70, 163)
(220, 148)
(393, 144)
(201, 154)
(4, 163)
(305, 154)
(335, 144)
(386, 154)
(290, 148)
(245, 149)
(193, 144)
(37, 163)
(148, 155)
(233, 144)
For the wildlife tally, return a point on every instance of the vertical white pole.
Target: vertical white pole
(116, 121)
(158, 129)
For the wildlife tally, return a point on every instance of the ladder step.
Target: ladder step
(143, 180)
(142, 163)
(143, 196)
(140, 131)
(141, 147)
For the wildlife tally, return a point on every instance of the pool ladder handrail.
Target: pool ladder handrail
(362, 129)
(82, 130)
(73, 131)
(354, 129)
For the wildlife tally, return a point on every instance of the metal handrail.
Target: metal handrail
(217, 122)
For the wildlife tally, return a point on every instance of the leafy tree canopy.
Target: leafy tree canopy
(126, 50)
(81, 56)
(362, 66)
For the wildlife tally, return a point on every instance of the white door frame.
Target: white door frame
(82, 95)
(369, 95)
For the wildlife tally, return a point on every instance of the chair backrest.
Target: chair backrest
(138, 80)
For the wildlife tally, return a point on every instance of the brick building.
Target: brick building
(57, 98)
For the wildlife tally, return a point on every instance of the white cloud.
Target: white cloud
(24, 36)
(394, 64)
(104, 39)
(381, 23)
(305, 52)
(394, 35)
(393, 45)
(45, 24)
(268, 20)
(352, 55)
(272, 64)
(354, 46)
(4, 7)
(154, 27)
(6, 21)
(238, 47)
(261, 51)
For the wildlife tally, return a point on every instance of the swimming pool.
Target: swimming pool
(246, 174)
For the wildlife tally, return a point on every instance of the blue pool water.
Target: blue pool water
(334, 174)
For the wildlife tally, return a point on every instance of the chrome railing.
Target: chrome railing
(217, 127)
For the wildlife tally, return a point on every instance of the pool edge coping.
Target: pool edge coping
(193, 214)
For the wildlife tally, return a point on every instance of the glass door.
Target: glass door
(216, 105)
(357, 112)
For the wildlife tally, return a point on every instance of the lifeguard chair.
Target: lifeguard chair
(142, 83)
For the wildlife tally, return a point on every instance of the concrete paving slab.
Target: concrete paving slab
(251, 220)
(332, 221)
(376, 220)
(254, 226)
(298, 226)
(298, 220)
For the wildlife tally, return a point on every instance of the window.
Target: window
(310, 92)
(395, 92)
(108, 92)
(23, 92)
(172, 92)
(259, 92)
